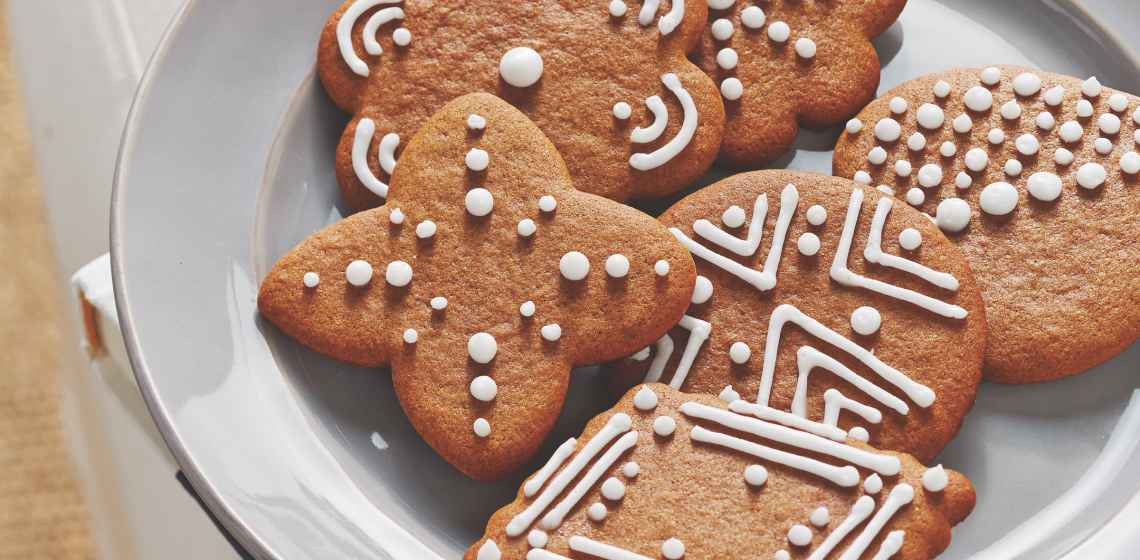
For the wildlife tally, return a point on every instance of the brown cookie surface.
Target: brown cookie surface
(481, 288)
(1033, 175)
(781, 316)
(666, 474)
(587, 77)
(789, 62)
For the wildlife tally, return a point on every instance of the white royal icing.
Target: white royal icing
(672, 19)
(727, 58)
(630, 469)
(622, 110)
(426, 229)
(860, 511)
(865, 320)
(439, 303)
(702, 290)
(527, 309)
(661, 267)
(873, 484)
(361, 139)
(479, 202)
(645, 399)
(482, 347)
(660, 119)
(910, 239)
(371, 45)
(835, 402)
(660, 156)
(998, 199)
(820, 517)
(891, 545)
(398, 274)
(547, 203)
(900, 495)
(477, 159)
(805, 47)
(489, 551)
(601, 550)
(481, 427)
(731, 89)
(574, 266)
(537, 538)
(617, 8)
(1026, 84)
(1044, 186)
(664, 426)
(554, 517)
(808, 244)
(358, 273)
(411, 336)
(344, 30)
(617, 266)
(753, 17)
(526, 227)
(755, 475)
(551, 332)
(952, 215)
(484, 388)
(799, 535)
(535, 483)
(311, 279)
(613, 489)
(672, 548)
(722, 29)
(521, 67)
(935, 479)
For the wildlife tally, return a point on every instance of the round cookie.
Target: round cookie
(483, 288)
(1034, 176)
(714, 487)
(610, 85)
(783, 63)
(811, 309)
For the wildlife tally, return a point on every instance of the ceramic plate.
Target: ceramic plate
(227, 162)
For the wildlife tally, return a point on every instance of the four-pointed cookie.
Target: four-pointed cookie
(1034, 176)
(823, 303)
(610, 85)
(783, 63)
(666, 474)
(482, 281)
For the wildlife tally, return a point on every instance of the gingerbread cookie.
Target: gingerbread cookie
(823, 301)
(782, 63)
(482, 281)
(610, 85)
(1034, 176)
(666, 474)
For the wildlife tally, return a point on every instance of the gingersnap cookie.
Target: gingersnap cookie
(1034, 176)
(484, 278)
(783, 63)
(827, 305)
(666, 474)
(608, 82)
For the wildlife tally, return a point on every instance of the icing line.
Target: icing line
(900, 496)
(344, 30)
(663, 349)
(535, 483)
(660, 156)
(361, 139)
(788, 419)
(379, 18)
(859, 512)
(602, 550)
(874, 252)
(660, 119)
(835, 402)
(808, 358)
(846, 476)
(555, 516)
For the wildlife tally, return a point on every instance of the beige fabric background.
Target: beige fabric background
(42, 514)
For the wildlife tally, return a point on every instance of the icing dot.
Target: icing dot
(877, 155)
(722, 29)
(897, 105)
(1010, 111)
(1118, 102)
(979, 99)
(753, 17)
(935, 479)
(854, 126)
(661, 267)
(538, 538)
(779, 32)
(731, 89)
(484, 388)
(953, 214)
(866, 320)
(998, 199)
(438, 303)
(1054, 96)
(859, 433)
(622, 110)
(702, 291)
(1026, 84)
(808, 244)
(915, 196)
(574, 266)
(398, 274)
(1091, 175)
(1108, 123)
(664, 426)
(903, 168)
(962, 123)
(596, 512)
(996, 136)
(1130, 163)
(358, 273)
(805, 47)
(482, 427)
(482, 347)
(479, 201)
(527, 309)
(401, 36)
(862, 177)
(1012, 167)
(311, 279)
(733, 216)
(910, 239)
(526, 227)
(816, 215)
(1063, 156)
(820, 517)
(930, 175)
(489, 551)
(1044, 186)
(739, 353)
(799, 535)
(521, 67)
(477, 159)
(729, 395)
(888, 130)
(645, 399)
(1084, 109)
(941, 89)
(613, 489)
(617, 266)
(425, 229)
(631, 469)
(948, 149)
(547, 203)
(1091, 87)
(551, 332)
(991, 76)
(782, 555)
(755, 475)
(617, 8)
(396, 216)
(1103, 146)
(930, 116)
(976, 159)
(727, 58)
(1045, 120)
(963, 180)
(1027, 144)
(873, 484)
(476, 122)
(916, 142)
(411, 336)
(673, 548)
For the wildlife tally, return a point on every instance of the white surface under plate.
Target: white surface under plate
(227, 162)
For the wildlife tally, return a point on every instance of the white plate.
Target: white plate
(227, 162)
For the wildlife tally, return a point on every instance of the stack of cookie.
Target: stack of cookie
(793, 348)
